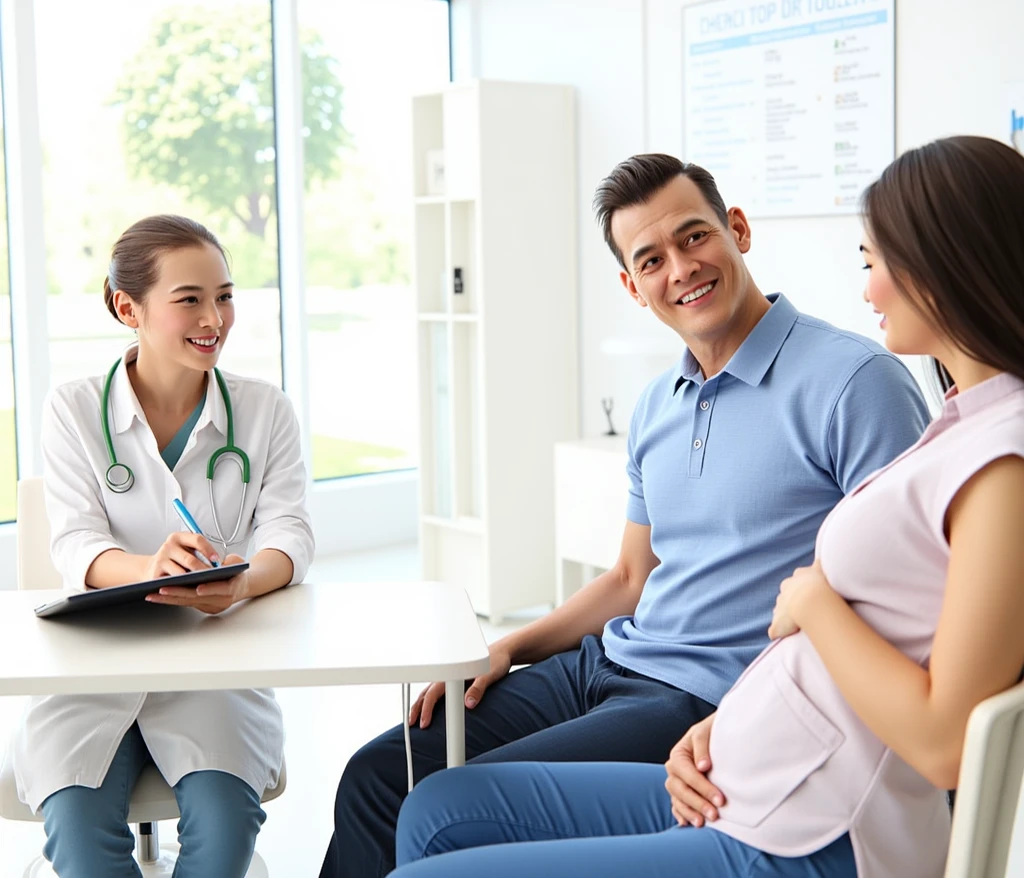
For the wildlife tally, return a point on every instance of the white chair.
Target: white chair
(35, 569)
(152, 799)
(988, 789)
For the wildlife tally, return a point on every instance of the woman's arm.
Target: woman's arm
(268, 570)
(79, 529)
(174, 557)
(978, 649)
(281, 520)
(116, 567)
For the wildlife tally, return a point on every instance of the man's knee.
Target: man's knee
(369, 771)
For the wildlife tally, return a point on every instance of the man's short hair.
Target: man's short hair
(635, 181)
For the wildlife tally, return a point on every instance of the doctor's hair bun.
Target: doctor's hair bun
(134, 259)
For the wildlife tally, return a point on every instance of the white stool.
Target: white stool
(152, 800)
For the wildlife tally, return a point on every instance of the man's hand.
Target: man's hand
(210, 597)
(423, 707)
(694, 798)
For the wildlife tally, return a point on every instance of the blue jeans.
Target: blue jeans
(577, 706)
(87, 833)
(579, 820)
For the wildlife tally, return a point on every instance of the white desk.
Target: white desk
(307, 635)
(591, 488)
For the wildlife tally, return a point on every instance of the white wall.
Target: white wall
(596, 46)
(625, 59)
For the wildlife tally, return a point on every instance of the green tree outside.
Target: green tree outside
(198, 104)
(198, 118)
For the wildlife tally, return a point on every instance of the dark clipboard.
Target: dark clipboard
(134, 591)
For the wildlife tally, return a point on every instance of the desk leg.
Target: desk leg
(455, 721)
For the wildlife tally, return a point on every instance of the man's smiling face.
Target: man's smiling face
(683, 263)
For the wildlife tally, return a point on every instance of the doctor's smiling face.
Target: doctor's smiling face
(186, 316)
(168, 279)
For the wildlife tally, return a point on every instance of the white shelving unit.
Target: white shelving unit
(498, 349)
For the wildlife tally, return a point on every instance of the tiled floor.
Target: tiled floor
(324, 726)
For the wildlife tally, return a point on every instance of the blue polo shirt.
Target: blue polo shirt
(735, 474)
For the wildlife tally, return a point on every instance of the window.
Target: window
(169, 110)
(362, 63)
(122, 110)
(8, 445)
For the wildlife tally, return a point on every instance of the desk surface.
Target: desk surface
(309, 635)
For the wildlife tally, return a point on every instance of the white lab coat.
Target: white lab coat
(67, 740)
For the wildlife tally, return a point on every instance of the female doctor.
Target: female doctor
(117, 450)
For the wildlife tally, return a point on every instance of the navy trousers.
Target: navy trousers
(577, 706)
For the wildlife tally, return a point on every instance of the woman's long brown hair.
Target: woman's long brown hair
(948, 219)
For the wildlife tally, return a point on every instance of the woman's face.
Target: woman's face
(906, 330)
(187, 315)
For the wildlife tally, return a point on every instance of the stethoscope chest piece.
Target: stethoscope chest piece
(119, 478)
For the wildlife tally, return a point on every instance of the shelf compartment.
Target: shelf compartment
(462, 241)
(468, 415)
(427, 136)
(436, 483)
(429, 258)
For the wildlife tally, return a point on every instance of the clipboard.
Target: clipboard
(133, 592)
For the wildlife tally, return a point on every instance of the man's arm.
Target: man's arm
(878, 415)
(613, 593)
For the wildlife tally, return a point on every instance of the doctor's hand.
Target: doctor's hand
(210, 597)
(694, 798)
(423, 707)
(797, 594)
(177, 556)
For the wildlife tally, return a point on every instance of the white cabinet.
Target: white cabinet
(495, 274)
(591, 489)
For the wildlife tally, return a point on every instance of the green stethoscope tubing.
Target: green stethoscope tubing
(119, 477)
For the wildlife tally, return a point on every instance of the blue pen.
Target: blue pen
(190, 523)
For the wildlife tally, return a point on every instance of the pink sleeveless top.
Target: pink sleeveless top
(796, 764)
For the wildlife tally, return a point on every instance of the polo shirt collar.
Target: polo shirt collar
(125, 407)
(753, 358)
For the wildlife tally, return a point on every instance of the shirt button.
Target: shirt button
(705, 405)
(697, 443)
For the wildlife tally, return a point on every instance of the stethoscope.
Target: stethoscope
(120, 478)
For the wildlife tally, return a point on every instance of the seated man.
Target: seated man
(735, 458)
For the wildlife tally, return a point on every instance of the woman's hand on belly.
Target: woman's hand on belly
(797, 595)
(694, 798)
(211, 597)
